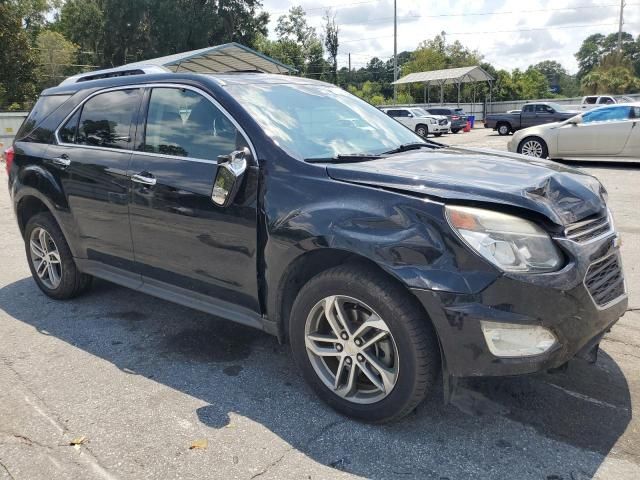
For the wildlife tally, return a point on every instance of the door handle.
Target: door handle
(144, 178)
(62, 161)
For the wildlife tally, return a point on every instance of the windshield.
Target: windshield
(419, 112)
(320, 121)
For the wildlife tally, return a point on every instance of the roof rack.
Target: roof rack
(114, 72)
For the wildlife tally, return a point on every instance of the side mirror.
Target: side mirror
(575, 121)
(231, 168)
(410, 115)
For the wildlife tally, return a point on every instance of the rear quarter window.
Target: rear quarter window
(45, 106)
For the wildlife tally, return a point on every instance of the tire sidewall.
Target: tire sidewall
(425, 130)
(503, 129)
(406, 382)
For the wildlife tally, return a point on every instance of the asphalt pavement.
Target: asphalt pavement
(119, 385)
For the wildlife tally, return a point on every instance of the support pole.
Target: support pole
(395, 51)
(620, 23)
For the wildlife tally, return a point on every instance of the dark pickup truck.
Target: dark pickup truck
(532, 114)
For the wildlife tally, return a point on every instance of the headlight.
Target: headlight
(432, 121)
(510, 243)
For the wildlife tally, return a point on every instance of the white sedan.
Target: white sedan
(611, 131)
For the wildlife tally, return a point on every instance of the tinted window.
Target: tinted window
(607, 115)
(185, 124)
(106, 119)
(393, 113)
(544, 109)
(528, 109)
(68, 132)
(590, 100)
(319, 120)
(43, 107)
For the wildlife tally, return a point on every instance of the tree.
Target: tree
(17, 59)
(56, 54)
(331, 43)
(597, 46)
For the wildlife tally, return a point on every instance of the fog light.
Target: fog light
(513, 340)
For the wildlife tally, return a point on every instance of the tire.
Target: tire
(534, 147)
(503, 129)
(455, 130)
(410, 348)
(422, 130)
(439, 134)
(64, 280)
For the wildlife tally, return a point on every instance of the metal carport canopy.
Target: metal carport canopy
(229, 57)
(447, 76)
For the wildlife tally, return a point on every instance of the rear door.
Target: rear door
(92, 158)
(544, 114)
(183, 242)
(603, 132)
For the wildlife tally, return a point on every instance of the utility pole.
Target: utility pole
(349, 74)
(620, 27)
(395, 51)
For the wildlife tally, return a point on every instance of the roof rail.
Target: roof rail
(114, 72)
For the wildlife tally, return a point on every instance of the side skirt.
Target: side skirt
(181, 296)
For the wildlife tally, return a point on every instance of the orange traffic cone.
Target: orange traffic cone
(467, 127)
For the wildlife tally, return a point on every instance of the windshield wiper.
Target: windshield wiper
(344, 158)
(405, 147)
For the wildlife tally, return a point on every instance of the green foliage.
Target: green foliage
(56, 55)
(17, 58)
(331, 44)
(597, 47)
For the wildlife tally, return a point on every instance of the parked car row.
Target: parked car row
(424, 121)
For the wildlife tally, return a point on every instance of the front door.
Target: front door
(183, 242)
(602, 132)
(92, 159)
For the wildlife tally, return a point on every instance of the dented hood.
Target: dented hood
(562, 194)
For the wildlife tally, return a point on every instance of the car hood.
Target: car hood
(562, 194)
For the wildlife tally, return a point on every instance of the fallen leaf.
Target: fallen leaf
(78, 440)
(200, 444)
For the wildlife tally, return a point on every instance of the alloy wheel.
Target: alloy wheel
(421, 131)
(532, 148)
(351, 349)
(503, 130)
(45, 258)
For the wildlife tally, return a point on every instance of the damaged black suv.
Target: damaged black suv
(294, 207)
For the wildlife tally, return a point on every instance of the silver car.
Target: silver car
(611, 131)
(418, 120)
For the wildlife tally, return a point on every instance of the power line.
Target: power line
(336, 6)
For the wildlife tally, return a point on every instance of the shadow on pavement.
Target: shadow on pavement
(241, 371)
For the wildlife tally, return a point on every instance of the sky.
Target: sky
(508, 33)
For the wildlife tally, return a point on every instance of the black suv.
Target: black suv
(292, 206)
(456, 116)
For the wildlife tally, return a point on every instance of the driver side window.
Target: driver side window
(607, 115)
(183, 123)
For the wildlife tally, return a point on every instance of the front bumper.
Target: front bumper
(559, 301)
(440, 128)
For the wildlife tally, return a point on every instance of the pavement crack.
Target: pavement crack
(7, 470)
(305, 446)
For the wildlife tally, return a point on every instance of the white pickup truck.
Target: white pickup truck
(593, 101)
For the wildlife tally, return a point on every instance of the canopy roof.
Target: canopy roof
(447, 76)
(229, 57)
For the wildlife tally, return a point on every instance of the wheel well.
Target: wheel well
(533, 137)
(307, 266)
(499, 124)
(422, 125)
(27, 208)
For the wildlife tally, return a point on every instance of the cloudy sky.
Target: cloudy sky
(509, 33)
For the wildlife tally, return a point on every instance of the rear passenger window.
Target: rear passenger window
(106, 119)
(45, 105)
(183, 123)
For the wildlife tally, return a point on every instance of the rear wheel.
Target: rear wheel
(534, 147)
(422, 130)
(439, 134)
(363, 344)
(455, 130)
(50, 259)
(504, 129)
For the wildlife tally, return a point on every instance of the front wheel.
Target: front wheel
(422, 130)
(533, 147)
(363, 344)
(455, 130)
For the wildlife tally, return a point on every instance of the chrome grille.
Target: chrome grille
(442, 121)
(589, 229)
(604, 280)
